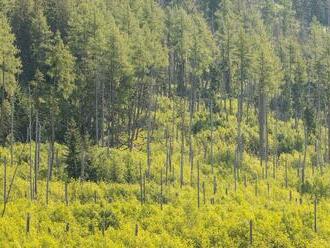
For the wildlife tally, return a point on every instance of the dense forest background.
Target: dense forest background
(97, 65)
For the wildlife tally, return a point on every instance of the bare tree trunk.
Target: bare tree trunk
(161, 189)
(10, 188)
(251, 232)
(182, 149)
(52, 148)
(191, 149)
(214, 185)
(144, 188)
(96, 112)
(28, 218)
(198, 185)
(235, 170)
(149, 148)
(4, 180)
(286, 174)
(211, 117)
(48, 173)
(262, 126)
(103, 114)
(239, 129)
(204, 197)
(141, 184)
(12, 131)
(66, 194)
(57, 161)
(36, 161)
(315, 216)
(304, 161)
(329, 128)
(82, 172)
(30, 145)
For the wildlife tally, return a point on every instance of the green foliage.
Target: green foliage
(105, 76)
(61, 72)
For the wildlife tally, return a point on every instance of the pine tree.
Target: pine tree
(226, 22)
(73, 141)
(268, 74)
(9, 70)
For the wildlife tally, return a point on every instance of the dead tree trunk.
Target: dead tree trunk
(161, 189)
(211, 118)
(48, 173)
(36, 160)
(66, 194)
(82, 172)
(30, 146)
(262, 126)
(286, 174)
(28, 219)
(215, 186)
(329, 131)
(141, 184)
(204, 197)
(4, 180)
(12, 131)
(315, 217)
(251, 232)
(182, 149)
(198, 185)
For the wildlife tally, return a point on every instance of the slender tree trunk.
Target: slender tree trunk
(141, 184)
(12, 131)
(214, 185)
(28, 219)
(235, 170)
(204, 195)
(30, 145)
(329, 129)
(82, 172)
(315, 216)
(66, 194)
(2, 104)
(103, 115)
(48, 173)
(251, 232)
(304, 161)
(211, 117)
(10, 188)
(149, 147)
(4, 180)
(36, 161)
(262, 126)
(191, 149)
(161, 189)
(198, 185)
(182, 150)
(239, 121)
(96, 112)
(286, 174)
(52, 148)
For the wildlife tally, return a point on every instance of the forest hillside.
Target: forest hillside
(143, 123)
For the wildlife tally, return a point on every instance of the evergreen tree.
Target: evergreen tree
(267, 74)
(9, 69)
(73, 141)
